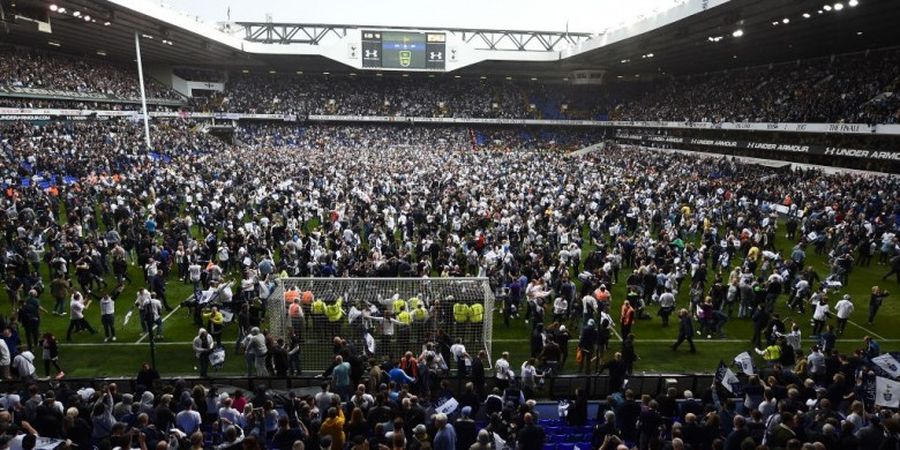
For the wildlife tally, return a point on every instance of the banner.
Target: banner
(785, 148)
(887, 392)
(729, 380)
(59, 94)
(447, 407)
(889, 364)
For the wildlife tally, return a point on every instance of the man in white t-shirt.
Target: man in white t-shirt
(77, 321)
(843, 309)
(461, 356)
(502, 372)
(820, 315)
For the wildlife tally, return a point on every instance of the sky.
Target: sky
(539, 15)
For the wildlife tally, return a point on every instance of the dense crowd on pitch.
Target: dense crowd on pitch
(31, 68)
(404, 201)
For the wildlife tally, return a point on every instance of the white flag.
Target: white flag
(889, 364)
(729, 380)
(746, 362)
(127, 317)
(887, 392)
(370, 343)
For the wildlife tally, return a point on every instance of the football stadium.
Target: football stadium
(608, 224)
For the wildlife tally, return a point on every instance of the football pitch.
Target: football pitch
(89, 356)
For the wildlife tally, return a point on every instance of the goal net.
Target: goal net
(381, 318)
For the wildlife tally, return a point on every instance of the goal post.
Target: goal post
(356, 309)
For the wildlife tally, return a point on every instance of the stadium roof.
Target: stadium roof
(698, 43)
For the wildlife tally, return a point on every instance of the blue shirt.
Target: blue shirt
(341, 374)
(445, 439)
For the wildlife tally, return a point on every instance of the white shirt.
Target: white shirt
(502, 370)
(230, 414)
(589, 303)
(560, 305)
(844, 308)
(458, 350)
(194, 270)
(528, 374)
(667, 300)
(821, 312)
(77, 309)
(107, 306)
(23, 364)
(152, 269)
(4, 354)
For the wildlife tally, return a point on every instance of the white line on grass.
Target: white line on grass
(868, 331)
(99, 344)
(144, 336)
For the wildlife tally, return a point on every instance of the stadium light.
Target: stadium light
(101, 52)
(299, 72)
(106, 24)
(859, 33)
(533, 78)
(827, 7)
(838, 6)
(483, 77)
(619, 76)
(245, 71)
(329, 73)
(271, 72)
(54, 44)
(785, 21)
(508, 78)
(53, 7)
(77, 13)
(352, 74)
(806, 15)
(457, 76)
(775, 23)
(146, 36)
(379, 74)
(61, 10)
(819, 11)
(87, 18)
(737, 33)
(405, 75)
(852, 3)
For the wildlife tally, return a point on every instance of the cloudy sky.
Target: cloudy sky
(544, 15)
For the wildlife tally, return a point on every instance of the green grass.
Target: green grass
(89, 356)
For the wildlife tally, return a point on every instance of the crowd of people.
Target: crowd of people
(855, 88)
(33, 68)
(846, 88)
(692, 239)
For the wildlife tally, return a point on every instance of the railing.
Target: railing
(561, 386)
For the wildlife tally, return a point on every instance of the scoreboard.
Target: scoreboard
(404, 50)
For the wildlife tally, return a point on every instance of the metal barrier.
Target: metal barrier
(561, 386)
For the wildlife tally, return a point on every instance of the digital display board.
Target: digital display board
(404, 50)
